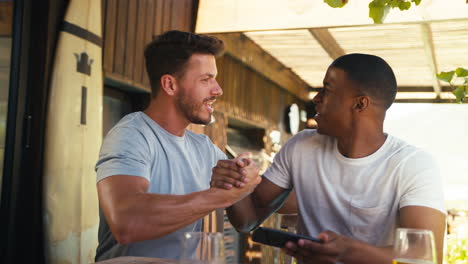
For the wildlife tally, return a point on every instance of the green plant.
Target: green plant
(378, 9)
(458, 80)
(456, 251)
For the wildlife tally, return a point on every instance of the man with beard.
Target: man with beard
(354, 183)
(153, 175)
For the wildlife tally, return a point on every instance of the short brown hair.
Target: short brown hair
(168, 53)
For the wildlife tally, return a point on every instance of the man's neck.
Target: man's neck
(166, 115)
(361, 142)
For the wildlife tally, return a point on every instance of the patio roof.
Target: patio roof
(306, 36)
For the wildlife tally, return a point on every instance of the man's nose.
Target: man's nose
(217, 90)
(316, 98)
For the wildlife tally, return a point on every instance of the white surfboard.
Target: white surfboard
(73, 137)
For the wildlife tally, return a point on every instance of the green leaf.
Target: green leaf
(446, 76)
(378, 12)
(417, 2)
(394, 3)
(466, 81)
(404, 5)
(459, 93)
(382, 3)
(461, 72)
(336, 3)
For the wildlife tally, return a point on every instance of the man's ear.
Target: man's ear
(361, 103)
(168, 84)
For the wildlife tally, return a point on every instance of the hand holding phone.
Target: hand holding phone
(278, 238)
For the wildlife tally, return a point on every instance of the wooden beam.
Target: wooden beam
(6, 19)
(121, 81)
(328, 42)
(244, 49)
(406, 89)
(426, 101)
(426, 34)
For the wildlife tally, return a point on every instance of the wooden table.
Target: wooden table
(137, 260)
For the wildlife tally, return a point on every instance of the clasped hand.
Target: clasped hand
(239, 172)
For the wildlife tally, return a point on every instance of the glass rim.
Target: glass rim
(414, 230)
(210, 234)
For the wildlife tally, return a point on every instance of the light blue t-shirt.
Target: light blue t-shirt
(173, 165)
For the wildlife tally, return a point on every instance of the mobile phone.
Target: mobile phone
(278, 238)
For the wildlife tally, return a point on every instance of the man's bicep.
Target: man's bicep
(268, 194)
(290, 206)
(116, 190)
(421, 217)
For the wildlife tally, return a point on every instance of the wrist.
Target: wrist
(349, 246)
(219, 197)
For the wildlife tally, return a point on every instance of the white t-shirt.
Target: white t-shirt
(359, 198)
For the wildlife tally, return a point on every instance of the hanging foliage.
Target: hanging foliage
(378, 9)
(458, 80)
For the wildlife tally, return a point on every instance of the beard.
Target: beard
(192, 109)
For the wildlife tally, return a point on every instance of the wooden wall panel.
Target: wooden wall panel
(217, 130)
(178, 8)
(110, 19)
(159, 17)
(149, 33)
(140, 43)
(121, 37)
(131, 32)
(250, 97)
(130, 25)
(6, 19)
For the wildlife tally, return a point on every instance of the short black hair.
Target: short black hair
(372, 74)
(169, 52)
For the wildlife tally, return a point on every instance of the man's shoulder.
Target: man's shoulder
(131, 129)
(306, 140)
(203, 143)
(197, 138)
(309, 136)
(409, 154)
(403, 148)
(200, 140)
(132, 121)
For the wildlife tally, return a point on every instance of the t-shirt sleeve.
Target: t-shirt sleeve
(219, 154)
(280, 171)
(124, 151)
(216, 152)
(421, 182)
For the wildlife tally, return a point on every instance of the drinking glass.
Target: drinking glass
(414, 246)
(202, 248)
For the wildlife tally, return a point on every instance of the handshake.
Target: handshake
(240, 176)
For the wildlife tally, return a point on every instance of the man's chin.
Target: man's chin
(200, 121)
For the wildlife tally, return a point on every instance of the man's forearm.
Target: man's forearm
(243, 215)
(149, 216)
(250, 212)
(362, 253)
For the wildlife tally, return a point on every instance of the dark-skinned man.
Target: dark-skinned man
(354, 184)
